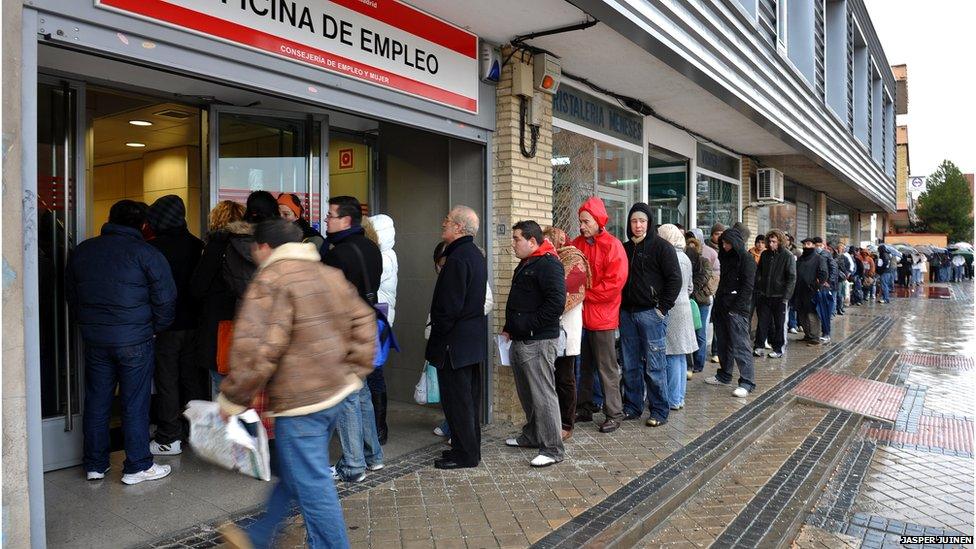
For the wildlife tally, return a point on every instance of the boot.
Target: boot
(379, 409)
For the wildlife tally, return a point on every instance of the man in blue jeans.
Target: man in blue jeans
(121, 293)
(304, 335)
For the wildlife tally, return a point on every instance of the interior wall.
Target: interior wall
(146, 179)
(413, 182)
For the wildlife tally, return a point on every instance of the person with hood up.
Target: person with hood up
(857, 276)
(535, 303)
(680, 337)
(653, 284)
(733, 313)
(775, 280)
(702, 278)
(577, 280)
(712, 243)
(601, 310)
(381, 225)
(178, 380)
(222, 276)
(811, 274)
(291, 209)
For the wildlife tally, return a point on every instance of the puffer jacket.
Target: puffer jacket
(386, 238)
(302, 333)
(608, 265)
(119, 288)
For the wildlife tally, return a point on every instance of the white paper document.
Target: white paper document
(504, 344)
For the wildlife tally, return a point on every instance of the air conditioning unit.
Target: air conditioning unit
(769, 185)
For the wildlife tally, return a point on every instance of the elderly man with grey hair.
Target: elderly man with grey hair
(458, 336)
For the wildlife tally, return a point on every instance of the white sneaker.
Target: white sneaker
(757, 352)
(767, 345)
(542, 461)
(740, 392)
(794, 331)
(155, 472)
(513, 442)
(712, 380)
(774, 354)
(715, 359)
(375, 466)
(690, 374)
(171, 449)
(337, 477)
(95, 475)
(438, 431)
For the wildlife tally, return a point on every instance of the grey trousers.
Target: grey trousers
(533, 363)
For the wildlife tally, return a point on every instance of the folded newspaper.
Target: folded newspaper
(240, 444)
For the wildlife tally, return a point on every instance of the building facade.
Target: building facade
(677, 104)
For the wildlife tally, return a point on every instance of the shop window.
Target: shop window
(667, 187)
(583, 166)
(718, 202)
(779, 216)
(838, 223)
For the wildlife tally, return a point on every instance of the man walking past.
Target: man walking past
(303, 335)
(348, 249)
(653, 283)
(733, 313)
(886, 272)
(811, 274)
(825, 302)
(121, 292)
(178, 378)
(601, 312)
(535, 303)
(775, 279)
(458, 336)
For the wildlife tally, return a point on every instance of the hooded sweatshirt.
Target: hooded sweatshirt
(182, 251)
(386, 238)
(654, 274)
(735, 287)
(608, 265)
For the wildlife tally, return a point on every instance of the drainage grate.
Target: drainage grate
(862, 396)
(932, 433)
(944, 362)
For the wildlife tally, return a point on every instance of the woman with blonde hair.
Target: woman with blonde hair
(680, 339)
(223, 214)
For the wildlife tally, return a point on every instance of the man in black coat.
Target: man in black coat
(178, 379)
(535, 303)
(811, 274)
(348, 249)
(458, 336)
(733, 313)
(775, 279)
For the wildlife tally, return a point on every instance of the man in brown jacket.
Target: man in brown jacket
(303, 334)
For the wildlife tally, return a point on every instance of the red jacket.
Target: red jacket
(608, 262)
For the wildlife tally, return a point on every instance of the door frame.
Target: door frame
(62, 437)
(313, 122)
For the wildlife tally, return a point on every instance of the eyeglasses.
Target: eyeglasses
(330, 216)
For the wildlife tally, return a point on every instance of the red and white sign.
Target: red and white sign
(382, 42)
(345, 159)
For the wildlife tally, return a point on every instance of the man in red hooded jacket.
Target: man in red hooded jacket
(601, 311)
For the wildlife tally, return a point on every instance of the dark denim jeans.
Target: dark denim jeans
(734, 348)
(701, 334)
(302, 448)
(132, 368)
(645, 363)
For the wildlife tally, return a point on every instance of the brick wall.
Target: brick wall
(521, 189)
(750, 216)
(819, 221)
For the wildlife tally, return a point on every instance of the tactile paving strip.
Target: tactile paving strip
(932, 360)
(934, 432)
(862, 396)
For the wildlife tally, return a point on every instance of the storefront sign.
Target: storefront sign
(718, 162)
(594, 113)
(382, 42)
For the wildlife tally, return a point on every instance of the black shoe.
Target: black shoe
(584, 417)
(451, 464)
(448, 454)
(379, 410)
(609, 426)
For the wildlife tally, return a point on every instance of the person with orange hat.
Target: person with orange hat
(290, 208)
(601, 312)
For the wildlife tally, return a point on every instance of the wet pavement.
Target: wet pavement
(854, 482)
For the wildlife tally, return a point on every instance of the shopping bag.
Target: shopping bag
(240, 444)
(696, 314)
(427, 390)
(225, 334)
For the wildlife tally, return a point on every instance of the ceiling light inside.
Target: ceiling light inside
(135, 144)
(140, 123)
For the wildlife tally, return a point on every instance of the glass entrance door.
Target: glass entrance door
(255, 150)
(57, 222)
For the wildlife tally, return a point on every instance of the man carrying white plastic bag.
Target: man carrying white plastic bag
(303, 335)
(240, 444)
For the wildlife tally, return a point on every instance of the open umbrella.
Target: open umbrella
(905, 248)
(961, 246)
(965, 252)
(925, 249)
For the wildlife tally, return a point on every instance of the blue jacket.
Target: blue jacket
(120, 288)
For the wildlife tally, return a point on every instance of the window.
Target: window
(780, 216)
(838, 223)
(667, 187)
(717, 187)
(583, 166)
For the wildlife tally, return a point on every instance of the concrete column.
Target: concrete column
(819, 220)
(521, 190)
(16, 495)
(750, 215)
